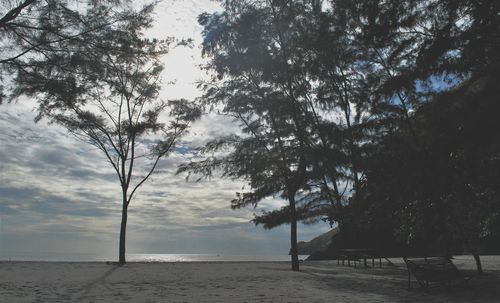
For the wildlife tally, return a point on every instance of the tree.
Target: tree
(104, 89)
(443, 190)
(258, 80)
(421, 53)
(423, 47)
(32, 28)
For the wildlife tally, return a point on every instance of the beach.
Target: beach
(318, 281)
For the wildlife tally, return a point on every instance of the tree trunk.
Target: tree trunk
(293, 234)
(123, 231)
(468, 245)
(473, 251)
(478, 263)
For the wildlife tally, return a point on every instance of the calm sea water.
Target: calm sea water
(81, 257)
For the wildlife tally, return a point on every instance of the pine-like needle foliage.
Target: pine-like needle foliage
(104, 88)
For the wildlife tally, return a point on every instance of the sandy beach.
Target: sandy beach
(318, 281)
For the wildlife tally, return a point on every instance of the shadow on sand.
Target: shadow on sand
(390, 283)
(100, 281)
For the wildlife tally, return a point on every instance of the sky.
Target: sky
(58, 194)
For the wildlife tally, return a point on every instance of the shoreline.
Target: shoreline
(459, 258)
(147, 258)
(113, 263)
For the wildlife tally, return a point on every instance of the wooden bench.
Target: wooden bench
(356, 255)
(427, 270)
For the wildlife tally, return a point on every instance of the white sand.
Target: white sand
(318, 281)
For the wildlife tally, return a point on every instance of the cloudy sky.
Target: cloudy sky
(60, 195)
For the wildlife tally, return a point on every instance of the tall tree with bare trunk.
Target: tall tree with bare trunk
(104, 89)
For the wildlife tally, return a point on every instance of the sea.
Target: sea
(146, 258)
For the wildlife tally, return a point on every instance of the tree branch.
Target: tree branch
(13, 13)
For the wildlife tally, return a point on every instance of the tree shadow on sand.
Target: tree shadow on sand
(84, 290)
(390, 283)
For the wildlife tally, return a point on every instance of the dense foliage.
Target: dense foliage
(42, 29)
(378, 116)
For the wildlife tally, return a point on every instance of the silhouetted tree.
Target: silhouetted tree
(32, 28)
(104, 90)
(260, 78)
(418, 49)
(445, 189)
